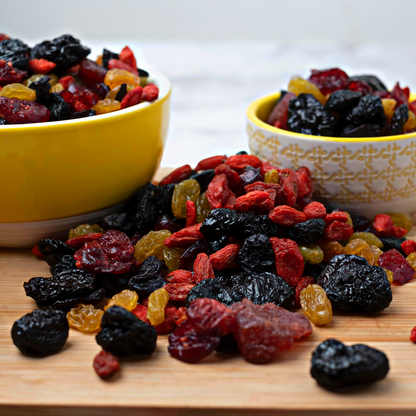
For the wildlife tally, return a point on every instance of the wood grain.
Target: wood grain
(65, 384)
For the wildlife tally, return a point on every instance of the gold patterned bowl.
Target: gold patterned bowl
(363, 175)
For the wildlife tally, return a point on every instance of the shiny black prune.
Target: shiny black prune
(121, 222)
(59, 108)
(42, 87)
(371, 80)
(186, 261)
(314, 270)
(365, 130)
(218, 244)
(53, 250)
(398, 120)
(93, 298)
(148, 278)
(210, 288)
(369, 110)
(308, 232)
(145, 213)
(352, 285)
(83, 114)
(256, 255)
(65, 51)
(41, 333)
(335, 366)
(123, 334)
(113, 283)
(16, 51)
(360, 222)
(342, 100)
(121, 92)
(308, 116)
(390, 243)
(67, 262)
(204, 178)
(250, 175)
(163, 199)
(228, 345)
(107, 55)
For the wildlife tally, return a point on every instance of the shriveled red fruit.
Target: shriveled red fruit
(239, 162)
(185, 344)
(279, 112)
(140, 311)
(218, 191)
(36, 252)
(303, 202)
(150, 93)
(210, 163)
(329, 80)
(340, 216)
(413, 335)
(232, 176)
(230, 202)
(127, 56)
(398, 232)
(164, 222)
(251, 201)
(133, 97)
(203, 268)
(3, 37)
(178, 291)
(262, 331)
(315, 210)
(117, 64)
(178, 175)
(225, 257)
(289, 260)
(75, 87)
(9, 74)
(408, 246)
(304, 282)
(185, 237)
(285, 215)
(190, 213)
(91, 73)
(360, 86)
(383, 224)
(304, 182)
(401, 95)
(169, 324)
(180, 276)
(273, 189)
(21, 112)
(402, 271)
(66, 81)
(338, 230)
(208, 315)
(106, 364)
(85, 97)
(289, 183)
(181, 315)
(41, 66)
(77, 242)
(266, 166)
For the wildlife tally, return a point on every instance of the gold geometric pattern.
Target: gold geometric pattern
(353, 173)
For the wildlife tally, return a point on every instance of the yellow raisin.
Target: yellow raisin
(298, 85)
(85, 318)
(349, 221)
(271, 176)
(389, 274)
(312, 254)
(85, 229)
(53, 79)
(355, 246)
(115, 77)
(156, 307)
(112, 94)
(57, 88)
(99, 60)
(187, 190)
(203, 208)
(18, 91)
(152, 244)
(410, 124)
(32, 79)
(389, 105)
(370, 238)
(371, 254)
(411, 259)
(106, 106)
(401, 220)
(171, 257)
(331, 249)
(316, 305)
(127, 299)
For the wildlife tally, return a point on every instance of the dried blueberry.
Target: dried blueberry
(53, 250)
(242, 152)
(3, 121)
(16, 51)
(308, 232)
(142, 73)
(219, 243)
(148, 278)
(398, 120)
(59, 109)
(314, 270)
(164, 222)
(256, 255)
(360, 222)
(342, 100)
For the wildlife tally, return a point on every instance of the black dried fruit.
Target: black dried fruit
(250, 175)
(186, 261)
(145, 207)
(3, 121)
(163, 199)
(256, 255)
(65, 51)
(390, 243)
(113, 283)
(93, 298)
(365, 130)
(42, 87)
(16, 51)
(100, 89)
(41, 333)
(59, 108)
(352, 285)
(107, 56)
(314, 270)
(210, 288)
(369, 110)
(204, 178)
(342, 100)
(308, 116)
(372, 81)
(243, 152)
(142, 73)
(53, 250)
(360, 222)
(335, 366)
(67, 262)
(123, 334)
(218, 244)
(164, 222)
(83, 114)
(121, 92)
(398, 120)
(121, 222)
(308, 232)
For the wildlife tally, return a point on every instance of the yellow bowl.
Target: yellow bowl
(66, 169)
(362, 175)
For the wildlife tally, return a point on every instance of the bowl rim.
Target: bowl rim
(252, 116)
(161, 80)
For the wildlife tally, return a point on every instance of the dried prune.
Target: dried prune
(148, 278)
(163, 199)
(390, 243)
(256, 255)
(16, 51)
(364, 130)
(123, 334)
(352, 285)
(121, 222)
(308, 116)
(314, 270)
(204, 178)
(336, 366)
(40, 333)
(369, 110)
(53, 250)
(398, 121)
(66, 262)
(59, 109)
(82, 114)
(342, 100)
(145, 212)
(113, 283)
(371, 80)
(308, 232)
(42, 87)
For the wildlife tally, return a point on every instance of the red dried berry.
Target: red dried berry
(230, 202)
(225, 257)
(218, 191)
(91, 73)
(3, 37)
(304, 282)
(383, 224)
(338, 230)
(232, 176)
(178, 175)
(105, 364)
(315, 210)
(78, 106)
(239, 162)
(329, 80)
(140, 311)
(117, 64)
(190, 213)
(164, 222)
(266, 166)
(86, 98)
(279, 112)
(402, 271)
(21, 112)
(285, 215)
(150, 93)
(127, 56)
(210, 163)
(169, 324)
(209, 315)
(398, 232)
(178, 291)
(180, 276)
(273, 189)
(181, 315)
(41, 66)
(133, 97)
(413, 335)
(401, 95)
(66, 81)
(304, 182)
(185, 237)
(408, 246)
(289, 184)
(360, 86)
(9, 74)
(116, 245)
(77, 242)
(74, 70)
(340, 216)
(203, 268)
(36, 252)
(251, 201)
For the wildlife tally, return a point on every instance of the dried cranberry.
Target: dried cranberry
(329, 80)
(402, 271)
(360, 86)
(91, 73)
(9, 74)
(106, 364)
(21, 112)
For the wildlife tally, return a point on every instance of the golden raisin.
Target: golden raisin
(127, 299)
(316, 305)
(57, 88)
(355, 246)
(389, 274)
(152, 244)
(32, 79)
(370, 238)
(349, 221)
(411, 259)
(99, 60)
(331, 249)
(115, 77)
(298, 85)
(18, 91)
(156, 307)
(106, 106)
(85, 318)
(401, 220)
(312, 254)
(187, 190)
(371, 254)
(85, 229)
(410, 124)
(171, 257)
(271, 176)
(389, 105)
(203, 208)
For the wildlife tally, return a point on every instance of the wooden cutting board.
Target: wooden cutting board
(65, 384)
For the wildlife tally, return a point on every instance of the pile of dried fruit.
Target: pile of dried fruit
(330, 103)
(217, 256)
(55, 81)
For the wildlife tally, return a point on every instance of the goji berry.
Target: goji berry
(185, 237)
(315, 210)
(180, 276)
(203, 268)
(105, 364)
(398, 232)
(127, 56)
(285, 215)
(338, 230)
(232, 176)
(190, 213)
(150, 93)
(273, 189)
(305, 183)
(413, 335)
(41, 66)
(225, 257)
(251, 201)
(289, 186)
(178, 291)
(402, 271)
(289, 260)
(239, 162)
(133, 97)
(304, 282)
(36, 252)
(77, 242)
(66, 81)
(230, 202)
(218, 191)
(117, 64)
(408, 246)
(210, 163)
(140, 311)
(339, 216)
(178, 175)
(266, 166)
(383, 224)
